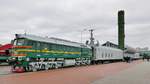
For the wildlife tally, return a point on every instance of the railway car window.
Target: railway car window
(72, 49)
(49, 46)
(62, 47)
(41, 45)
(29, 42)
(44, 46)
(77, 49)
(34, 44)
(38, 45)
(66, 48)
(69, 48)
(54, 47)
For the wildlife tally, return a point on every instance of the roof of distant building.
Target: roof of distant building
(128, 49)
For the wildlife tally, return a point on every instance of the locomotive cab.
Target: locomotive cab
(18, 58)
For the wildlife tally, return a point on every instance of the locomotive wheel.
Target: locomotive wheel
(46, 67)
(29, 68)
(43, 66)
(34, 69)
(56, 67)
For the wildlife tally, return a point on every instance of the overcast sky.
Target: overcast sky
(67, 18)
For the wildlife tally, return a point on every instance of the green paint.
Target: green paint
(121, 34)
(49, 50)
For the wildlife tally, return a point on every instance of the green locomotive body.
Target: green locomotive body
(32, 53)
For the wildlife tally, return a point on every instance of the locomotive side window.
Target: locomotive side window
(53, 46)
(38, 45)
(50, 46)
(44, 46)
(34, 44)
(29, 43)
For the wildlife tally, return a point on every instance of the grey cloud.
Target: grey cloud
(67, 18)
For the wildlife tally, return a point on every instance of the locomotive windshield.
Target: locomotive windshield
(19, 42)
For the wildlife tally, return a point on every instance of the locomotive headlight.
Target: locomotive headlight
(27, 59)
(13, 58)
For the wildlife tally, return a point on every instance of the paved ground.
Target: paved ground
(73, 75)
(5, 70)
(140, 74)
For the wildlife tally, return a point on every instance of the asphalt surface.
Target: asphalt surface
(5, 70)
(72, 75)
(140, 74)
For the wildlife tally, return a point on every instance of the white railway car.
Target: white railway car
(137, 56)
(133, 55)
(102, 53)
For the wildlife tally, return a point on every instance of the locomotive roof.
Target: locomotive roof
(50, 40)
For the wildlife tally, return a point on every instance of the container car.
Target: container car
(102, 53)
